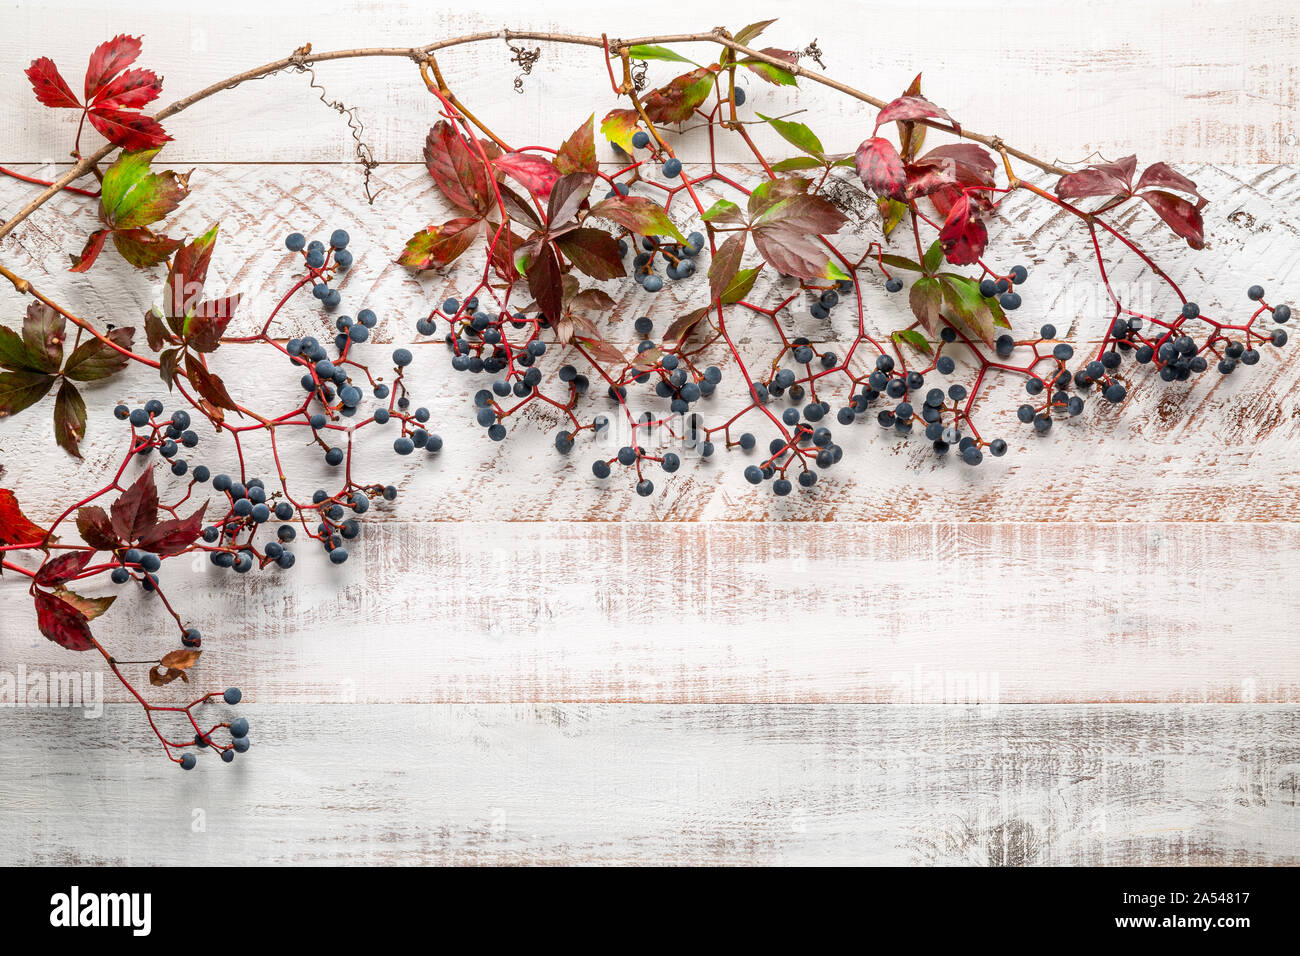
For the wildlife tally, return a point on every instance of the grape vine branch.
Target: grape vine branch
(536, 215)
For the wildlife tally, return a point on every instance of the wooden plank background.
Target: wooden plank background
(1083, 653)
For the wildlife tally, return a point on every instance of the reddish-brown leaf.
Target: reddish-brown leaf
(725, 264)
(94, 245)
(96, 528)
(62, 623)
(964, 234)
(173, 535)
(1163, 176)
(881, 168)
(14, 526)
(545, 284)
(64, 568)
(577, 154)
(567, 196)
(90, 608)
(1101, 179)
(1180, 215)
(592, 251)
(43, 331)
(69, 418)
(208, 384)
(49, 85)
(136, 509)
(913, 108)
(142, 247)
(457, 169)
(189, 273)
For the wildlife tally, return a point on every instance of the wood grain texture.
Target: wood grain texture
(736, 613)
(1181, 82)
(917, 663)
(579, 784)
(1215, 449)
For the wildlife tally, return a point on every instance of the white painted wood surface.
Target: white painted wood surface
(710, 675)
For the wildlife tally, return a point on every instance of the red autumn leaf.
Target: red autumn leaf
(913, 108)
(189, 273)
(963, 235)
(62, 623)
(638, 214)
(208, 384)
(1163, 176)
(50, 86)
(64, 568)
(1180, 215)
(173, 535)
(881, 168)
(14, 526)
(96, 528)
(112, 95)
(577, 154)
(456, 169)
(94, 245)
(592, 251)
(675, 102)
(567, 196)
(545, 282)
(973, 163)
(109, 59)
(535, 173)
(1101, 179)
(136, 509)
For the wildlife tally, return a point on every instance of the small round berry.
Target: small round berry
(339, 239)
(239, 727)
(402, 357)
(240, 744)
(295, 242)
(232, 696)
(673, 168)
(894, 284)
(1255, 293)
(640, 139)
(188, 761)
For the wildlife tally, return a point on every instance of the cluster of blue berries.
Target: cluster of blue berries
(680, 259)
(239, 742)
(323, 262)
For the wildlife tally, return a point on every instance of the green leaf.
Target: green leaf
(94, 360)
(19, 390)
(773, 74)
(740, 285)
(901, 262)
(913, 338)
(833, 271)
(752, 31)
(619, 126)
(724, 211)
(891, 212)
(648, 51)
(796, 134)
(14, 354)
(132, 196)
(965, 302)
(797, 163)
(69, 419)
(933, 257)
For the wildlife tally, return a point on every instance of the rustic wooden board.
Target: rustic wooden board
(737, 612)
(1173, 81)
(687, 784)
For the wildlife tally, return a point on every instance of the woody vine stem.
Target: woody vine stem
(539, 215)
